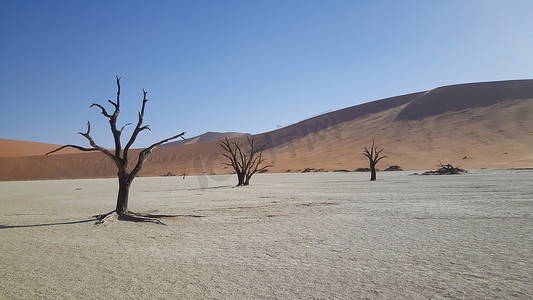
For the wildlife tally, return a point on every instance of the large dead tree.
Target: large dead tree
(245, 163)
(121, 157)
(374, 157)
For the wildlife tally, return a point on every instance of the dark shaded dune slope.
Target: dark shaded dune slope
(303, 128)
(463, 96)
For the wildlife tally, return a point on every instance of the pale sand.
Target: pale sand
(287, 236)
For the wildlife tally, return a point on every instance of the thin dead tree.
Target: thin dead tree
(374, 157)
(245, 163)
(121, 158)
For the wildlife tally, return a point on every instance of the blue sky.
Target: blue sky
(247, 66)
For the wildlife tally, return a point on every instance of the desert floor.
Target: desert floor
(287, 236)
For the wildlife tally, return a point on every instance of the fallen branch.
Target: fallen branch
(446, 169)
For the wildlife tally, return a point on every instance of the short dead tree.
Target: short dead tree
(374, 157)
(244, 163)
(121, 159)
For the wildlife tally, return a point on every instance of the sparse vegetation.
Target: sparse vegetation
(313, 170)
(394, 168)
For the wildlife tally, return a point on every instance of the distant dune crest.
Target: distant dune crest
(476, 125)
(463, 96)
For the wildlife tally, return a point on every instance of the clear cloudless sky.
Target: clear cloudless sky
(246, 66)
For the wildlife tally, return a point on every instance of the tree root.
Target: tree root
(134, 218)
(102, 217)
(138, 217)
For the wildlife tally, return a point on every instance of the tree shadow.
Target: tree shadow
(211, 187)
(46, 224)
(98, 219)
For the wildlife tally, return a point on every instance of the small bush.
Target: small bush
(394, 168)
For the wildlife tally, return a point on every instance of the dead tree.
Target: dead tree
(374, 157)
(121, 157)
(245, 163)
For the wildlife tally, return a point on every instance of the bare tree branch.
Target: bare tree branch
(113, 120)
(113, 103)
(121, 129)
(117, 104)
(146, 152)
(139, 127)
(380, 158)
(114, 158)
(166, 140)
(104, 112)
(72, 146)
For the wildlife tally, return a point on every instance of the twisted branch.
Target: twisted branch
(146, 152)
(113, 119)
(121, 129)
(104, 112)
(138, 128)
(72, 146)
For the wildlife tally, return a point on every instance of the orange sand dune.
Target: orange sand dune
(483, 125)
(13, 148)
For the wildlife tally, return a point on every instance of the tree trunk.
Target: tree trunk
(372, 172)
(240, 177)
(123, 193)
(247, 180)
